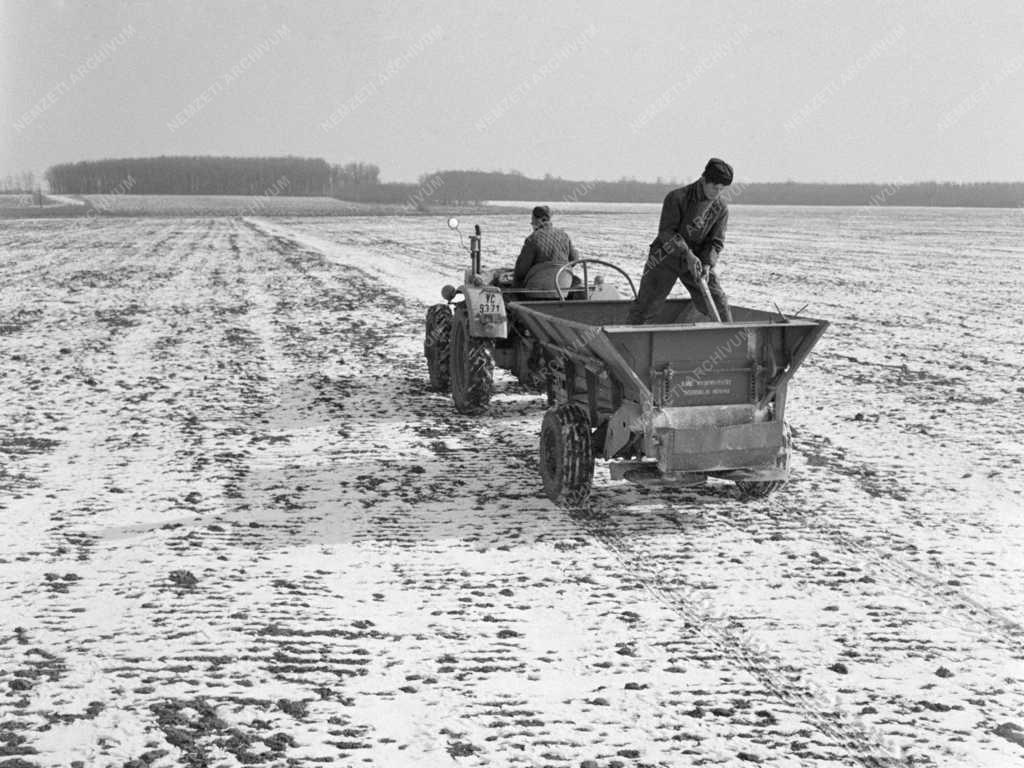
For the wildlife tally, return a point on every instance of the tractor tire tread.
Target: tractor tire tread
(472, 368)
(437, 347)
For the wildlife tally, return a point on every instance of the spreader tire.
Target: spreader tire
(750, 489)
(471, 366)
(437, 346)
(566, 455)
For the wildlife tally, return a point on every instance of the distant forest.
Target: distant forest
(361, 182)
(475, 186)
(209, 176)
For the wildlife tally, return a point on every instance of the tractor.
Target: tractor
(473, 332)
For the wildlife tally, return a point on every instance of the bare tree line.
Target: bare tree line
(18, 182)
(360, 181)
(209, 175)
(476, 186)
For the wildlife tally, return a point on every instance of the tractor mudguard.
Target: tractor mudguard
(486, 310)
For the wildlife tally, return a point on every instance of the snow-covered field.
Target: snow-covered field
(15, 205)
(239, 530)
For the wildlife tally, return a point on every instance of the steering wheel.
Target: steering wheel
(573, 264)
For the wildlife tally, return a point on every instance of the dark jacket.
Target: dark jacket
(700, 221)
(543, 252)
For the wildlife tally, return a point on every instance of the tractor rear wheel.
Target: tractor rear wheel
(437, 346)
(566, 455)
(471, 366)
(752, 489)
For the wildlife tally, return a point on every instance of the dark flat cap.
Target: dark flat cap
(718, 171)
(541, 212)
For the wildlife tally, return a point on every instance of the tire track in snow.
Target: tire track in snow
(869, 746)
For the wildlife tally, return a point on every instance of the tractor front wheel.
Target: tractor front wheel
(471, 366)
(437, 346)
(566, 455)
(752, 489)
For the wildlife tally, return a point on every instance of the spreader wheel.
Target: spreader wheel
(566, 455)
(437, 346)
(751, 489)
(471, 366)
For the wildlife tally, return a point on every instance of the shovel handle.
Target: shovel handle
(706, 293)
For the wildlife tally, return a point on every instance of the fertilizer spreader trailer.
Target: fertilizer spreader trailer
(670, 403)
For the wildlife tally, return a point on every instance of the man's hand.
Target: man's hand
(694, 265)
(709, 256)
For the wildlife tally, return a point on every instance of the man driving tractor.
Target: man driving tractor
(691, 234)
(544, 252)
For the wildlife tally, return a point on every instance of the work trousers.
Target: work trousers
(660, 275)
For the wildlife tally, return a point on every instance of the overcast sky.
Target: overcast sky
(853, 90)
